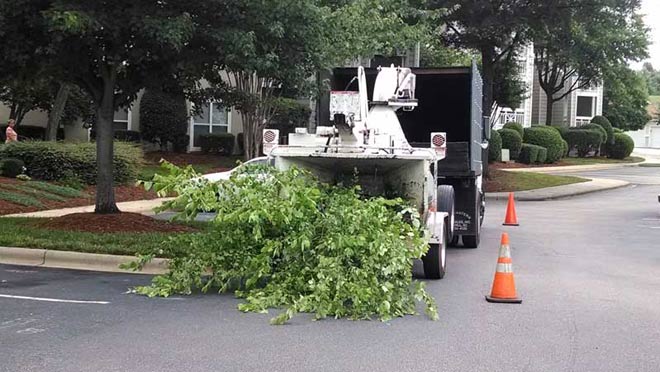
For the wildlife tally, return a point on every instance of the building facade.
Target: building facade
(574, 110)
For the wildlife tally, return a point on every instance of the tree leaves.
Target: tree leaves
(318, 249)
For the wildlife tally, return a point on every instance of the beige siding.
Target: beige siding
(32, 118)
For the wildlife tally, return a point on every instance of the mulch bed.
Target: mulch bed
(122, 193)
(110, 223)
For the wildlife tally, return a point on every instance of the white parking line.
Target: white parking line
(54, 300)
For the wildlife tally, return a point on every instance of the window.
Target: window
(213, 118)
(586, 106)
(122, 120)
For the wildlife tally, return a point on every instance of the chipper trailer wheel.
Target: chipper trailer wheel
(435, 260)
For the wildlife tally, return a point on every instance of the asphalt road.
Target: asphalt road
(588, 269)
(634, 175)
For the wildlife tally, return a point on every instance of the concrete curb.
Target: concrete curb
(557, 192)
(572, 168)
(77, 260)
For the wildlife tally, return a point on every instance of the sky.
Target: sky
(651, 9)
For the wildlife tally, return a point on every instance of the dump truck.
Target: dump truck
(401, 132)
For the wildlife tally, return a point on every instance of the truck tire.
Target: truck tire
(471, 241)
(446, 204)
(435, 260)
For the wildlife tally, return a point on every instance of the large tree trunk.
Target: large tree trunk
(548, 109)
(105, 194)
(56, 113)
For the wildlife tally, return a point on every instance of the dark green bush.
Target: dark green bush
(180, 144)
(542, 155)
(564, 148)
(494, 147)
(605, 123)
(529, 153)
(240, 138)
(11, 167)
(57, 160)
(289, 114)
(618, 130)
(511, 140)
(163, 117)
(622, 147)
(515, 126)
(217, 143)
(560, 129)
(584, 140)
(122, 135)
(547, 137)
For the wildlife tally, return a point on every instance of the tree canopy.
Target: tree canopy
(625, 98)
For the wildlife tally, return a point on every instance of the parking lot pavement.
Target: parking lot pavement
(588, 269)
(634, 175)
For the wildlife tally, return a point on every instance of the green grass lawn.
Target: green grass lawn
(600, 160)
(503, 181)
(22, 232)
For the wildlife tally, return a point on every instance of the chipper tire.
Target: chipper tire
(435, 260)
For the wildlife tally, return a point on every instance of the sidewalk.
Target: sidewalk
(572, 168)
(549, 193)
(138, 206)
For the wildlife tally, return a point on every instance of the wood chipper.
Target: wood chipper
(365, 143)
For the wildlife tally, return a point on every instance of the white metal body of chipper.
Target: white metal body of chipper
(367, 143)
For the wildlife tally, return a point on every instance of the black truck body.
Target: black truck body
(449, 101)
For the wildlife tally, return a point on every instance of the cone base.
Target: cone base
(510, 224)
(516, 300)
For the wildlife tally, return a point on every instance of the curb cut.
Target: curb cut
(552, 193)
(77, 260)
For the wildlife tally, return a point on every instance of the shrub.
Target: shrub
(163, 117)
(515, 126)
(622, 147)
(511, 140)
(618, 130)
(56, 160)
(529, 153)
(547, 137)
(542, 155)
(605, 123)
(220, 143)
(600, 129)
(494, 147)
(584, 140)
(289, 114)
(121, 135)
(180, 144)
(289, 242)
(564, 148)
(241, 145)
(11, 167)
(560, 129)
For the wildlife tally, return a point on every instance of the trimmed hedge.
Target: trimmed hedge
(164, 118)
(584, 140)
(11, 167)
(542, 155)
(511, 140)
(515, 126)
(564, 148)
(622, 147)
(597, 127)
(494, 147)
(547, 137)
(607, 125)
(217, 143)
(58, 161)
(529, 153)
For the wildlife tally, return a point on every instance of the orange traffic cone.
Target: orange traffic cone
(510, 219)
(504, 286)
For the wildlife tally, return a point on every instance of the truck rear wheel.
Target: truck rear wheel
(446, 204)
(471, 241)
(435, 260)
